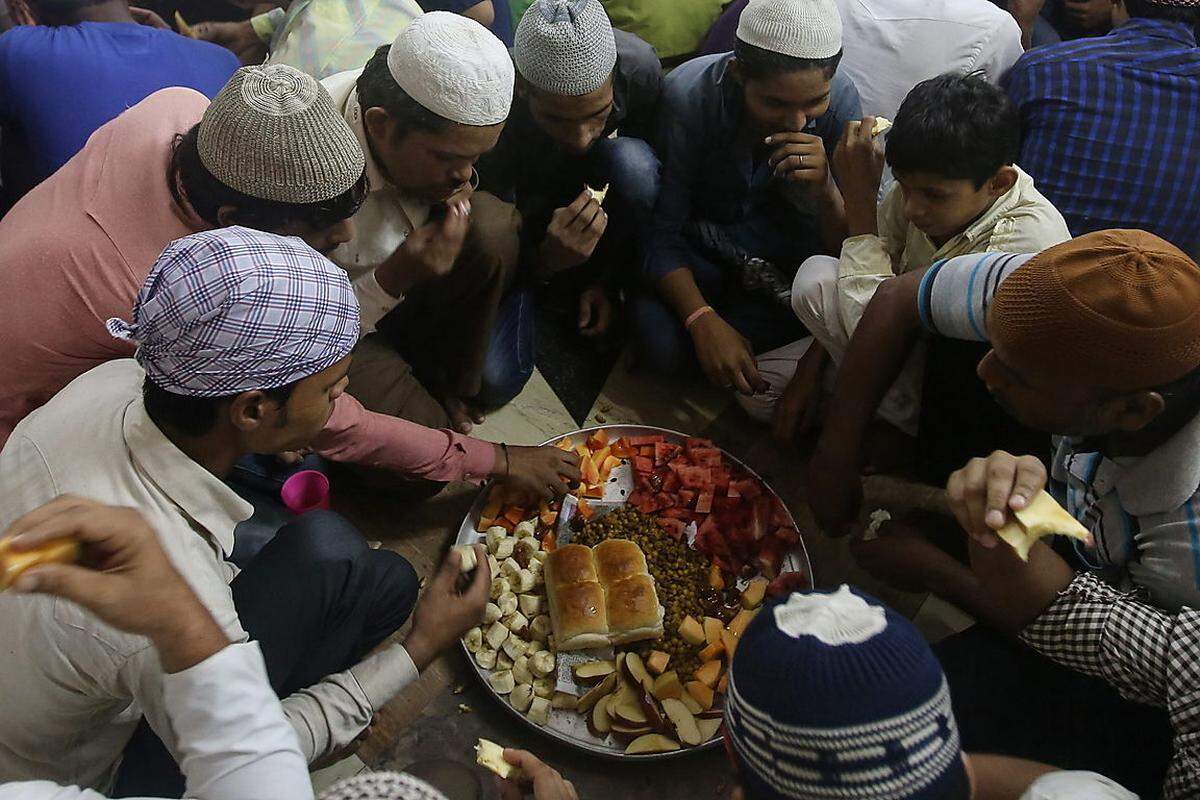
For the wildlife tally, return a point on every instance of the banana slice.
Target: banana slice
(1043, 516)
(597, 194)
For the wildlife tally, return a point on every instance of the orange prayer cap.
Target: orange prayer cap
(1118, 309)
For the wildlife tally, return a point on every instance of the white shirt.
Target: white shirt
(75, 688)
(234, 741)
(892, 45)
(385, 219)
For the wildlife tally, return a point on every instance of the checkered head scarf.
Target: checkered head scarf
(832, 695)
(236, 310)
(382, 786)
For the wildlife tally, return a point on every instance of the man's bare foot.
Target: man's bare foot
(903, 558)
(463, 417)
(887, 450)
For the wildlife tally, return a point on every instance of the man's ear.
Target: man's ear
(252, 411)
(1004, 180)
(380, 127)
(1133, 412)
(735, 69)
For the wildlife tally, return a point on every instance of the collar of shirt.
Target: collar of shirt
(202, 496)
(1158, 482)
(352, 111)
(1177, 32)
(982, 228)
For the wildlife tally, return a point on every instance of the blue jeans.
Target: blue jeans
(664, 347)
(317, 599)
(509, 361)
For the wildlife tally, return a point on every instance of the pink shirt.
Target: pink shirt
(75, 251)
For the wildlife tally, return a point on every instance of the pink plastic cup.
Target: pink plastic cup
(307, 490)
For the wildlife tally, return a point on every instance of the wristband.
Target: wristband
(695, 315)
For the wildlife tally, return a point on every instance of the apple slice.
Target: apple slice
(592, 671)
(592, 695)
(599, 722)
(637, 672)
(630, 731)
(684, 722)
(667, 686)
(711, 713)
(753, 594)
(709, 728)
(691, 703)
(564, 701)
(712, 629)
(691, 631)
(650, 707)
(627, 709)
(651, 743)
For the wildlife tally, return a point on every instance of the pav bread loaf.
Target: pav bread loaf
(13, 564)
(600, 596)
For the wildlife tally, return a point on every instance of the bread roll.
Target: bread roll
(13, 564)
(633, 610)
(569, 564)
(579, 616)
(618, 559)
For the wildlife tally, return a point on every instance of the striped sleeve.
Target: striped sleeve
(955, 293)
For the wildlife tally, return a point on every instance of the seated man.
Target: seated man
(1101, 676)
(1096, 341)
(87, 62)
(234, 740)
(745, 139)
(872, 717)
(892, 45)
(272, 153)
(1096, 99)
(430, 257)
(952, 150)
(584, 106)
(244, 341)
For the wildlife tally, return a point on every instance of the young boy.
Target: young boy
(952, 150)
(745, 139)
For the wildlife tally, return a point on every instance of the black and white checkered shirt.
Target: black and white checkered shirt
(1149, 656)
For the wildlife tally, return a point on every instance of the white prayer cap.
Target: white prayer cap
(454, 67)
(798, 28)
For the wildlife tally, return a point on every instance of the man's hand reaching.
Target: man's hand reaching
(444, 614)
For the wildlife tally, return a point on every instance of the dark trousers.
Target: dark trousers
(1009, 700)
(316, 599)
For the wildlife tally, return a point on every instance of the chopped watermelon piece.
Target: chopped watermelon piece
(747, 487)
(664, 500)
(639, 441)
(733, 492)
(686, 496)
(693, 442)
(643, 464)
(696, 477)
(676, 512)
(671, 482)
(779, 515)
(622, 449)
(770, 557)
(646, 450)
(787, 583)
(673, 527)
(704, 503)
(705, 457)
(788, 535)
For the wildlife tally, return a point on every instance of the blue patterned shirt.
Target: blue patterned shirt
(1111, 129)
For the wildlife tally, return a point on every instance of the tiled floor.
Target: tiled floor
(425, 722)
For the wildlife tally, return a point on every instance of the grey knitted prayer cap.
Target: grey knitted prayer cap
(382, 786)
(273, 133)
(565, 46)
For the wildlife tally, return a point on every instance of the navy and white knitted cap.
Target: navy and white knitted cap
(832, 695)
(565, 46)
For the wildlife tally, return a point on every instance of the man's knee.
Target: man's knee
(493, 243)
(662, 346)
(633, 169)
(322, 537)
(396, 578)
(814, 284)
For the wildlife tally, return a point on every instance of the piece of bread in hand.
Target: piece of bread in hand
(1042, 516)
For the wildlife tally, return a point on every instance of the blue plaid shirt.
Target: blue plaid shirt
(1112, 129)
